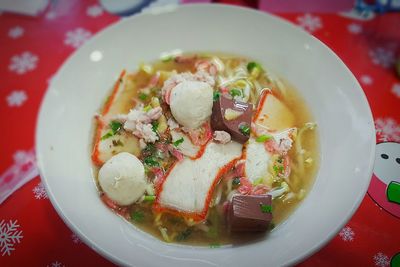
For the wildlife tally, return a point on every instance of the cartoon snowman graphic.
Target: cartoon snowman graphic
(385, 183)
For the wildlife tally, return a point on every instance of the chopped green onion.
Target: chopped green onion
(178, 142)
(115, 126)
(155, 126)
(235, 92)
(236, 181)
(149, 198)
(137, 216)
(263, 138)
(107, 135)
(252, 66)
(215, 245)
(278, 169)
(244, 129)
(265, 208)
(258, 181)
(184, 235)
(143, 96)
(150, 148)
(147, 108)
(216, 95)
(150, 161)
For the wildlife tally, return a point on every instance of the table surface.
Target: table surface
(32, 50)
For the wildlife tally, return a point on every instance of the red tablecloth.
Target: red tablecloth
(31, 51)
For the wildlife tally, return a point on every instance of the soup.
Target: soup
(204, 149)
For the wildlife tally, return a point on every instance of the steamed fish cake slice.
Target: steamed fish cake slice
(257, 160)
(120, 101)
(188, 186)
(272, 113)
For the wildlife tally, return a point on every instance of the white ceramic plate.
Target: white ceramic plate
(345, 126)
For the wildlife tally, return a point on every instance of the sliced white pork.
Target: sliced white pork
(189, 184)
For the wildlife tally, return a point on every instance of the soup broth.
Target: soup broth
(242, 79)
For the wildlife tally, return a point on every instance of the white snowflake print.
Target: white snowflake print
(309, 22)
(94, 11)
(15, 32)
(366, 79)
(16, 98)
(381, 260)
(347, 234)
(75, 239)
(396, 89)
(382, 56)
(387, 129)
(354, 28)
(23, 170)
(10, 235)
(51, 15)
(39, 191)
(23, 62)
(77, 37)
(56, 264)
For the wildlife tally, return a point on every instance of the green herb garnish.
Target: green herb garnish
(235, 92)
(184, 235)
(137, 216)
(263, 138)
(236, 181)
(244, 129)
(115, 126)
(265, 208)
(178, 142)
(154, 126)
(278, 169)
(216, 95)
(107, 135)
(147, 108)
(149, 198)
(252, 66)
(143, 96)
(150, 161)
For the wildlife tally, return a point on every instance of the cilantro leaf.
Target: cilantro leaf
(115, 126)
(150, 161)
(216, 95)
(235, 92)
(178, 142)
(137, 216)
(265, 208)
(107, 135)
